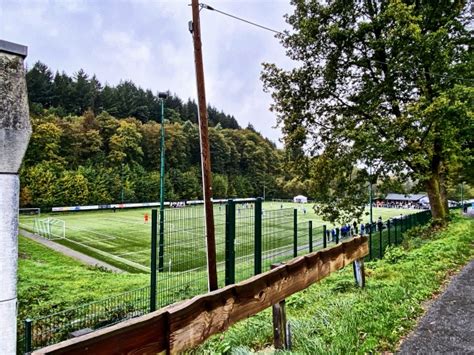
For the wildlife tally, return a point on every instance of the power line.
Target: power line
(207, 7)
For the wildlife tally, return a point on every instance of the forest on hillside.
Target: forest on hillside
(65, 95)
(94, 144)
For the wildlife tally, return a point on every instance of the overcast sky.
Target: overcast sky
(147, 41)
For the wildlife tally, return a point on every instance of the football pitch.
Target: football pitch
(123, 238)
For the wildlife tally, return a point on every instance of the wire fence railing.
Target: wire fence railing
(249, 240)
(43, 331)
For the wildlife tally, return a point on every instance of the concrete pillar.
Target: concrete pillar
(15, 131)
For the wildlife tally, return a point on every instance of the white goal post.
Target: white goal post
(27, 217)
(50, 228)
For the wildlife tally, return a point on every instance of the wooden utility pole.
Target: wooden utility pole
(205, 151)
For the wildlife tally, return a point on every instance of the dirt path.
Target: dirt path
(448, 326)
(83, 258)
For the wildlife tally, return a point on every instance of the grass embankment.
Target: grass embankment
(49, 281)
(336, 317)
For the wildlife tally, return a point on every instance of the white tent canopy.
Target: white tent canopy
(300, 199)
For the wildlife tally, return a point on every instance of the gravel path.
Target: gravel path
(448, 326)
(83, 258)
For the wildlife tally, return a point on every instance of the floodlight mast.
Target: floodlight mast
(195, 29)
(162, 96)
(15, 132)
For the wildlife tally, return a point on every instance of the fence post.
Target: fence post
(325, 242)
(258, 237)
(28, 336)
(281, 328)
(380, 241)
(388, 231)
(295, 233)
(337, 235)
(395, 230)
(154, 220)
(229, 242)
(310, 235)
(161, 242)
(370, 242)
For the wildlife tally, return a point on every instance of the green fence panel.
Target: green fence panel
(258, 237)
(325, 243)
(229, 243)
(40, 332)
(245, 218)
(277, 236)
(153, 282)
(295, 233)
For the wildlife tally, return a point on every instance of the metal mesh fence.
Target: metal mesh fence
(53, 328)
(248, 241)
(302, 238)
(391, 232)
(277, 236)
(182, 273)
(244, 241)
(318, 236)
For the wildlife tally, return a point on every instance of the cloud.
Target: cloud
(127, 49)
(148, 42)
(123, 56)
(71, 6)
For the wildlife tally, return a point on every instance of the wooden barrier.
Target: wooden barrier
(187, 324)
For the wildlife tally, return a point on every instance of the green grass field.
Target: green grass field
(123, 238)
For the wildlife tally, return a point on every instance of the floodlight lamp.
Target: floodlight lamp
(163, 95)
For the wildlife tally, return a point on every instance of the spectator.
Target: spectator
(380, 224)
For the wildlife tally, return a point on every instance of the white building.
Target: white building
(300, 199)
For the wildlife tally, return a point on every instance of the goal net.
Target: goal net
(50, 228)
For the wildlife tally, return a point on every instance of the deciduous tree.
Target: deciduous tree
(384, 86)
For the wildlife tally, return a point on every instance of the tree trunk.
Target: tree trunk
(443, 191)
(436, 202)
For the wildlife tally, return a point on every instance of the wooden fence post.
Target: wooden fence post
(281, 328)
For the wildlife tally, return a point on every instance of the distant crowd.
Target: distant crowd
(179, 204)
(394, 204)
(349, 230)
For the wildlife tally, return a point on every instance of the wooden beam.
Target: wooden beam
(189, 323)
